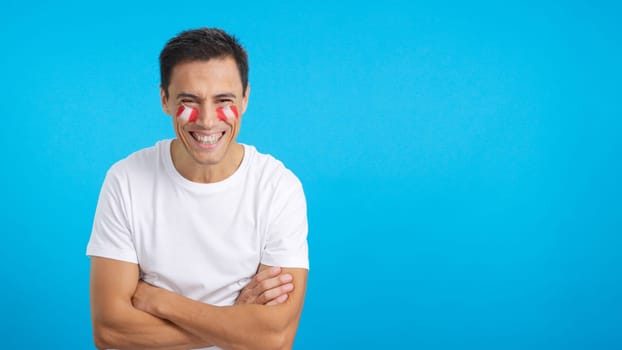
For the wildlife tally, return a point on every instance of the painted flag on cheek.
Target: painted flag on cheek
(227, 112)
(187, 114)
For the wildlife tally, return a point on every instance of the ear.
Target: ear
(164, 101)
(245, 98)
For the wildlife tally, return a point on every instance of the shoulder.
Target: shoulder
(271, 173)
(140, 163)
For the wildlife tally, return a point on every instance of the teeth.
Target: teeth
(211, 139)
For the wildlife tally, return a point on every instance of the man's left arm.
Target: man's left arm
(230, 327)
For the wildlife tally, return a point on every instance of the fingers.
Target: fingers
(268, 287)
(264, 275)
(280, 300)
(252, 290)
(272, 283)
(275, 295)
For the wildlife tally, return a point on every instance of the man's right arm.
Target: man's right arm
(117, 324)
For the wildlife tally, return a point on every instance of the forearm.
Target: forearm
(117, 323)
(231, 327)
(131, 328)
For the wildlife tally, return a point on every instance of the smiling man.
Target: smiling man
(199, 241)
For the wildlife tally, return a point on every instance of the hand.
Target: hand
(145, 296)
(268, 287)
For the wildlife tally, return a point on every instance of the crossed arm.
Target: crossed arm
(131, 314)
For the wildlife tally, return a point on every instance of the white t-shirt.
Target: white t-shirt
(204, 241)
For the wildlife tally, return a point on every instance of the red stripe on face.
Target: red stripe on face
(194, 115)
(187, 114)
(224, 113)
(234, 109)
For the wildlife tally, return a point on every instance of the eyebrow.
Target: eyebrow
(187, 95)
(195, 97)
(228, 94)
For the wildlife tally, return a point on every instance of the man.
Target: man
(199, 241)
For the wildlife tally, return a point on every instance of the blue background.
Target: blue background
(461, 161)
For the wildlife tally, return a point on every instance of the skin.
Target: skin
(206, 85)
(117, 323)
(268, 287)
(248, 326)
(131, 314)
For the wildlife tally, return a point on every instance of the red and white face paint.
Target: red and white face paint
(187, 114)
(228, 112)
(190, 115)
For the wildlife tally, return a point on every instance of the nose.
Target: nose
(207, 118)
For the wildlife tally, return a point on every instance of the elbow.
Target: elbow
(271, 332)
(100, 343)
(268, 340)
(284, 333)
(100, 337)
(103, 337)
(275, 341)
(282, 339)
(284, 342)
(265, 341)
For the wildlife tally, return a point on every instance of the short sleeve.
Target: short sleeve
(286, 243)
(111, 236)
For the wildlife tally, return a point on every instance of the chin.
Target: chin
(208, 158)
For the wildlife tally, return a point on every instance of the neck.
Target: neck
(194, 171)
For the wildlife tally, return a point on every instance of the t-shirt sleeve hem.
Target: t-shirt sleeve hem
(288, 262)
(111, 254)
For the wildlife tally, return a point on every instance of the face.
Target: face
(206, 102)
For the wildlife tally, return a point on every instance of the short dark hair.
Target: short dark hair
(201, 44)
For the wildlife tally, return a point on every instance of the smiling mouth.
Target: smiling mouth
(209, 139)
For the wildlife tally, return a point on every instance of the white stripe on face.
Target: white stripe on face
(229, 112)
(186, 114)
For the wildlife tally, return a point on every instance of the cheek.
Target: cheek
(228, 113)
(187, 114)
